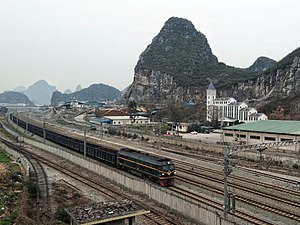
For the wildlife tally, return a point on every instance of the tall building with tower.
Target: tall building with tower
(228, 110)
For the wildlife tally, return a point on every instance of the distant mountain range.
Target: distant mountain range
(12, 97)
(95, 92)
(41, 93)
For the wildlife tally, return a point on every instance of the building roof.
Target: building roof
(247, 109)
(111, 112)
(230, 120)
(126, 117)
(237, 103)
(256, 114)
(211, 87)
(224, 99)
(269, 126)
(105, 212)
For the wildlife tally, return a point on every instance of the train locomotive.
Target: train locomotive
(157, 169)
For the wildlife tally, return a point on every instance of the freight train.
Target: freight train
(157, 169)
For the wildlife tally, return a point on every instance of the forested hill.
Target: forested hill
(182, 52)
(14, 98)
(95, 92)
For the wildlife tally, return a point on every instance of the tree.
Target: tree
(131, 107)
(175, 111)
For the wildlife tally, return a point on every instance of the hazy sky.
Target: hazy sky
(70, 42)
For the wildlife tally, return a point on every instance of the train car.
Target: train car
(93, 151)
(157, 169)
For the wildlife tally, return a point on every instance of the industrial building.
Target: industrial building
(263, 131)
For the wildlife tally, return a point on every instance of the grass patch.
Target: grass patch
(4, 158)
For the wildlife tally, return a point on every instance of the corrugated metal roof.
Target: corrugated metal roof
(269, 126)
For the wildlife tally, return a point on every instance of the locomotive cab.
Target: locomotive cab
(167, 173)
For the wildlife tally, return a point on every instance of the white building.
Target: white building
(228, 109)
(122, 120)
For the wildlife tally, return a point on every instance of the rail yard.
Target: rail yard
(260, 197)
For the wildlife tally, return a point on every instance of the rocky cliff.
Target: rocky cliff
(179, 62)
(177, 65)
(262, 64)
(276, 92)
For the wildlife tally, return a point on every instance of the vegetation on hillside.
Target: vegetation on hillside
(12, 97)
(184, 53)
(95, 92)
(283, 108)
(286, 61)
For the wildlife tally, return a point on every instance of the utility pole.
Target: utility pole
(226, 173)
(84, 139)
(26, 130)
(229, 199)
(84, 142)
(17, 120)
(44, 131)
(159, 136)
(101, 131)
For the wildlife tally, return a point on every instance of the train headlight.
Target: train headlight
(174, 172)
(162, 174)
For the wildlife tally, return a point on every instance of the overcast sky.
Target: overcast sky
(71, 42)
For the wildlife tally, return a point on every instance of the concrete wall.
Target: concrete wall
(19, 157)
(184, 205)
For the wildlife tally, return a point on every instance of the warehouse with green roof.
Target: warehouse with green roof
(263, 131)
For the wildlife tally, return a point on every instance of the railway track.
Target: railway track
(217, 160)
(245, 200)
(265, 207)
(186, 167)
(43, 207)
(155, 216)
(238, 214)
(280, 205)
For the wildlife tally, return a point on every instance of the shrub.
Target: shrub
(296, 166)
(32, 189)
(62, 215)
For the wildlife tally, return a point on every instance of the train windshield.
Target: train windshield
(168, 167)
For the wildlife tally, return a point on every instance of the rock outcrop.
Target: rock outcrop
(177, 65)
(279, 87)
(262, 64)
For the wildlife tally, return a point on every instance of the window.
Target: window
(254, 137)
(285, 139)
(270, 139)
(228, 134)
(241, 135)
